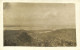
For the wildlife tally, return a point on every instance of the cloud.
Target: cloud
(39, 14)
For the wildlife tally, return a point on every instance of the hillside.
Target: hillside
(62, 37)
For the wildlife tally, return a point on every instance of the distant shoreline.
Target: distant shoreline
(34, 28)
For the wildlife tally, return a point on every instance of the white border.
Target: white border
(48, 1)
(77, 3)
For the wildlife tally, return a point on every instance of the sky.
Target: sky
(39, 14)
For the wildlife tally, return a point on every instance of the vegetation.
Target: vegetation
(34, 38)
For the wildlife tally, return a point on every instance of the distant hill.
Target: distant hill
(67, 34)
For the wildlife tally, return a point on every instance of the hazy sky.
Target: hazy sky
(39, 14)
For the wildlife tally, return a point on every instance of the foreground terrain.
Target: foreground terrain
(45, 38)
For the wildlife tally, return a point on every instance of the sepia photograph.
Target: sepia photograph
(39, 24)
